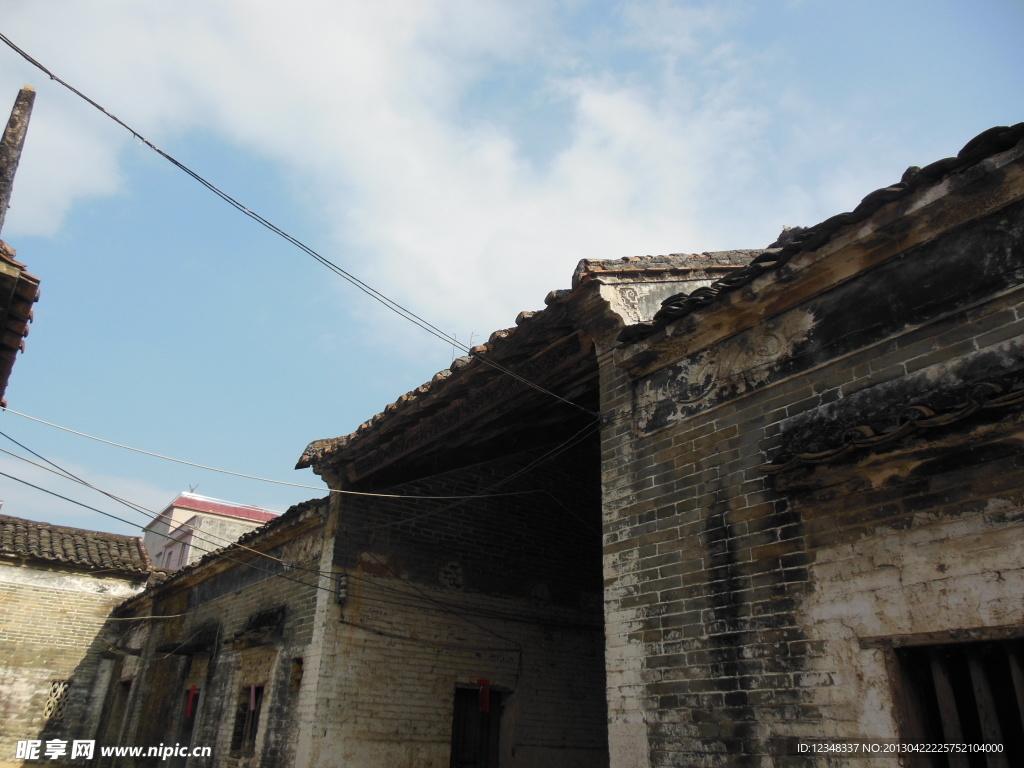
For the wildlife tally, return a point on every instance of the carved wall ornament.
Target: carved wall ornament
(304, 549)
(981, 396)
(742, 363)
(451, 576)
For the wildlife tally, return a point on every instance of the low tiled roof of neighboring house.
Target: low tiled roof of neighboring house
(18, 291)
(198, 503)
(72, 547)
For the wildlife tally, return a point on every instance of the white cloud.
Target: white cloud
(60, 168)
(372, 108)
(21, 500)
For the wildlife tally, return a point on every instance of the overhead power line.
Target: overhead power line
(549, 455)
(458, 612)
(197, 533)
(135, 525)
(462, 612)
(320, 489)
(369, 290)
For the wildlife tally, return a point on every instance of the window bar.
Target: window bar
(987, 712)
(951, 730)
(1017, 673)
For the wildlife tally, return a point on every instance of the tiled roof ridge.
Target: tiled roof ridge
(982, 146)
(290, 514)
(79, 547)
(710, 261)
(759, 261)
(214, 500)
(586, 270)
(985, 395)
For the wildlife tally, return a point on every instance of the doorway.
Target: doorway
(475, 727)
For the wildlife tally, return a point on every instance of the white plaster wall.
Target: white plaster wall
(937, 576)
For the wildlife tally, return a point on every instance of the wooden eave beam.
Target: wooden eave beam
(470, 404)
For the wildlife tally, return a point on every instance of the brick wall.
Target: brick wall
(500, 588)
(505, 589)
(49, 622)
(214, 646)
(742, 610)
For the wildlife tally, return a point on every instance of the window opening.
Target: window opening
(57, 701)
(247, 720)
(475, 727)
(969, 693)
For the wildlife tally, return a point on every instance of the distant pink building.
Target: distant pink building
(192, 525)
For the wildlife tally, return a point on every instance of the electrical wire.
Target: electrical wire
(66, 474)
(575, 439)
(61, 472)
(427, 597)
(197, 533)
(474, 611)
(444, 606)
(459, 611)
(207, 537)
(321, 489)
(215, 553)
(373, 293)
(270, 574)
(436, 643)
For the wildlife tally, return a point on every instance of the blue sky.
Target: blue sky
(461, 157)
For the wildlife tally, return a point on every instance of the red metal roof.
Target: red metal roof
(217, 507)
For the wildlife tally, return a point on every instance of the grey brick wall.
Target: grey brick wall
(50, 620)
(742, 610)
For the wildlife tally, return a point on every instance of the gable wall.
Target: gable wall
(735, 609)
